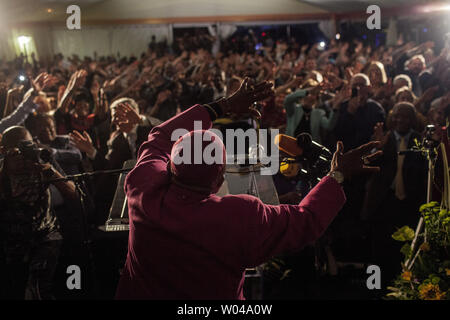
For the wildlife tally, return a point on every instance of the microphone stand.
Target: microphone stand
(78, 180)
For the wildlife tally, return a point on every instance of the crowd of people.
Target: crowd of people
(67, 115)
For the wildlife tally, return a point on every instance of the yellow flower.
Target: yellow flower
(431, 292)
(406, 275)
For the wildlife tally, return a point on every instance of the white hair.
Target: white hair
(403, 77)
(129, 101)
(361, 75)
(417, 56)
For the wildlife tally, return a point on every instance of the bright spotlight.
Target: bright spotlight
(22, 78)
(338, 36)
(322, 44)
(23, 40)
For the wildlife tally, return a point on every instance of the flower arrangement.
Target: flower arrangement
(426, 272)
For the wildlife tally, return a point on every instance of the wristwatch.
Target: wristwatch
(337, 175)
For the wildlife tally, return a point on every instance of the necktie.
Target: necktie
(399, 183)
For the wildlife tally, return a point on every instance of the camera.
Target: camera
(30, 151)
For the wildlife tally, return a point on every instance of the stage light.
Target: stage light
(436, 7)
(23, 40)
(338, 36)
(322, 44)
(22, 78)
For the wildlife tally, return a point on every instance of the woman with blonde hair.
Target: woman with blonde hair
(381, 85)
(377, 74)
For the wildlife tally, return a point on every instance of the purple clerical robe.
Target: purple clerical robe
(187, 245)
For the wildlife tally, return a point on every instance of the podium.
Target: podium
(118, 213)
(247, 179)
(239, 179)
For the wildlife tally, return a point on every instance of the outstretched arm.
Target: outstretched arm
(271, 230)
(160, 144)
(154, 154)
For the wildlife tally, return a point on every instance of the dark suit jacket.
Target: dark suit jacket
(414, 177)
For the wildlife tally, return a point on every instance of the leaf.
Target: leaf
(435, 280)
(394, 294)
(403, 234)
(406, 250)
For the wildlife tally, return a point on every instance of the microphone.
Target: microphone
(288, 145)
(289, 167)
(303, 145)
(306, 143)
(300, 149)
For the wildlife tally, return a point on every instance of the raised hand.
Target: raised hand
(341, 96)
(124, 113)
(380, 135)
(76, 80)
(355, 161)
(83, 142)
(95, 89)
(429, 93)
(248, 93)
(163, 96)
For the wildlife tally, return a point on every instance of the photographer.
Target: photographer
(30, 234)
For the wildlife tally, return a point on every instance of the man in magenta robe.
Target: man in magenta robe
(187, 243)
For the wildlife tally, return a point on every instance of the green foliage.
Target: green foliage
(404, 234)
(406, 250)
(429, 277)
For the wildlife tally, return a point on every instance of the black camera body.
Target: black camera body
(30, 151)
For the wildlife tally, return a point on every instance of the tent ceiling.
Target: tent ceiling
(17, 11)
